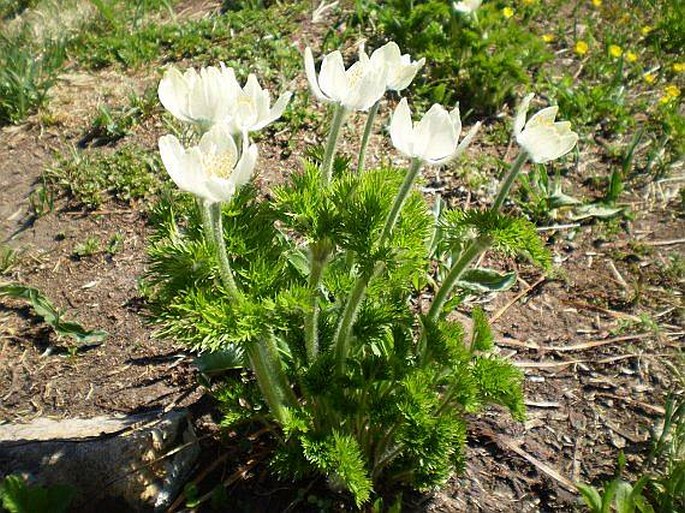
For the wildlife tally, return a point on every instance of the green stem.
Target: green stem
(475, 248)
(327, 165)
(267, 372)
(509, 180)
(224, 266)
(342, 335)
(354, 300)
(409, 179)
(478, 245)
(367, 135)
(319, 257)
(207, 224)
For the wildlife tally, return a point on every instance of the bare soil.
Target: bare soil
(597, 373)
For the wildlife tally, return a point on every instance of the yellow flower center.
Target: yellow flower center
(220, 164)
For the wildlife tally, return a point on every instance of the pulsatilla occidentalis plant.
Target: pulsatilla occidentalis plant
(317, 292)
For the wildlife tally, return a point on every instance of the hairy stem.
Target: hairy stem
(224, 265)
(207, 223)
(409, 180)
(349, 315)
(267, 366)
(472, 251)
(339, 113)
(478, 245)
(319, 257)
(342, 335)
(509, 180)
(367, 135)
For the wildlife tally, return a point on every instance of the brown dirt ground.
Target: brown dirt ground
(596, 377)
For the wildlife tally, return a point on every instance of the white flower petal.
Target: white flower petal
(219, 188)
(310, 70)
(520, 120)
(332, 78)
(455, 116)
(435, 137)
(544, 117)
(401, 129)
(173, 156)
(276, 111)
(218, 142)
(403, 75)
(544, 144)
(388, 54)
(366, 86)
(173, 93)
(245, 167)
(466, 141)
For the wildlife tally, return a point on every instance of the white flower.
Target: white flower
(400, 68)
(212, 169)
(252, 110)
(356, 88)
(202, 98)
(434, 139)
(467, 6)
(541, 137)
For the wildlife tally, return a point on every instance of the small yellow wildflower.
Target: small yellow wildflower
(615, 51)
(548, 38)
(678, 67)
(528, 2)
(631, 56)
(671, 92)
(508, 12)
(650, 78)
(597, 3)
(646, 30)
(581, 48)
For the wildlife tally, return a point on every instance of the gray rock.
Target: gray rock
(132, 463)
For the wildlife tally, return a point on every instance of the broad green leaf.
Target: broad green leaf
(18, 497)
(595, 210)
(481, 279)
(220, 361)
(53, 317)
(623, 499)
(299, 260)
(559, 200)
(642, 504)
(608, 496)
(591, 497)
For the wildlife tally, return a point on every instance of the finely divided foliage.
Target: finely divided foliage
(314, 289)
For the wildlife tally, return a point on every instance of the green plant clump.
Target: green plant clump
(397, 411)
(477, 60)
(26, 75)
(316, 290)
(259, 34)
(17, 496)
(128, 174)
